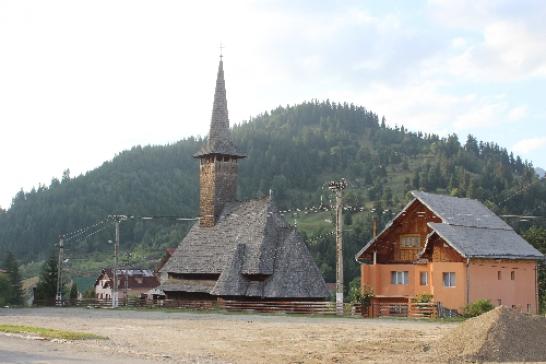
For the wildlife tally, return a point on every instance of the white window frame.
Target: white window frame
(400, 278)
(451, 280)
(421, 275)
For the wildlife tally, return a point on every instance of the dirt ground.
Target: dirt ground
(190, 337)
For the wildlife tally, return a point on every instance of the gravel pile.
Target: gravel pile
(500, 335)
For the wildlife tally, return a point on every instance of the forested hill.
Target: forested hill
(293, 151)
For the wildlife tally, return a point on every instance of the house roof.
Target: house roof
(138, 278)
(470, 227)
(461, 211)
(249, 240)
(475, 242)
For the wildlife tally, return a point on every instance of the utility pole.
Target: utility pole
(115, 291)
(338, 187)
(127, 278)
(59, 296)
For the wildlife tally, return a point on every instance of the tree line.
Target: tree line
(291, 150)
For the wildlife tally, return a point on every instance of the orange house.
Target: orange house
(455, 249)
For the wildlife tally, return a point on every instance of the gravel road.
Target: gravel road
(190, 337)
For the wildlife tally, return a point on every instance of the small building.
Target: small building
(240, 250)
(131, 283)
(455, 249)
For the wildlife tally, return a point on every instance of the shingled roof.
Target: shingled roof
(476, 242)
(461, 211)
(219, 140)
(254, 252)
(470, 228)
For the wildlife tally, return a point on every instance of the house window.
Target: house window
(528, 307)
(423, 278)
(409, 241)
(499, 275)
(449, 279)
(513, 275)
(399, 277)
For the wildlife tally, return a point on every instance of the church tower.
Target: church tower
(219, 157)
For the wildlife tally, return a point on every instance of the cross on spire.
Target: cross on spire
(221, 50)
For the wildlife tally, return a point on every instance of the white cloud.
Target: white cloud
(526, 146)
(458, 42)
(517, 113)
(508, 42)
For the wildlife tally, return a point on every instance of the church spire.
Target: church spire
(219, 157)
(219, 139)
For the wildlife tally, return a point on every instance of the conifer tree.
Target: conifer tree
(15, 291)
(47, 285)
(73, 293)
(4, 289)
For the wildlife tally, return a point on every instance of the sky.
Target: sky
(81, 81)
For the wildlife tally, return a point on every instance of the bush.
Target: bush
(354, 291)
(477, 308)
(357, 295)
(366, 296)
(423, 298)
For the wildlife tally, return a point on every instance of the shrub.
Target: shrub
(366, 296)
(423, 298)
(356, 295)
(354, 291)
(477, 308)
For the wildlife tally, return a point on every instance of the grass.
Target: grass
(49, 333)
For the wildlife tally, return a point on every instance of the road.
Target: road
(182, 336)
(16, 350)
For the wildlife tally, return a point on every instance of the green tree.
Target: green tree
(46, 289)
(15, 292)
(73, 293)
(4, 289)
(537, 237)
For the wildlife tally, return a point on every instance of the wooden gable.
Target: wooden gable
(405, 238)
(438, 250)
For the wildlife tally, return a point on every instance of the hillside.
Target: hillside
(291, 150)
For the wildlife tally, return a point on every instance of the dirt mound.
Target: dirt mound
(500, 335)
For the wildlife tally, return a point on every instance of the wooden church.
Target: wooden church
(237, 250)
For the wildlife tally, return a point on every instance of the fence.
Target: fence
(303, 307)
(413, 310)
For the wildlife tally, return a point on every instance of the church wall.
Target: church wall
(225, 175)
(207, 191)
(218, 185)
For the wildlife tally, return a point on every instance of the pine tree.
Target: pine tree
(15, 294)
(47, 285)
(73, 293)
(4, 289)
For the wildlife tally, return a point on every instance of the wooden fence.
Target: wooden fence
(298, 307)
(302, 307)
(413, 310)
(423, 310)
